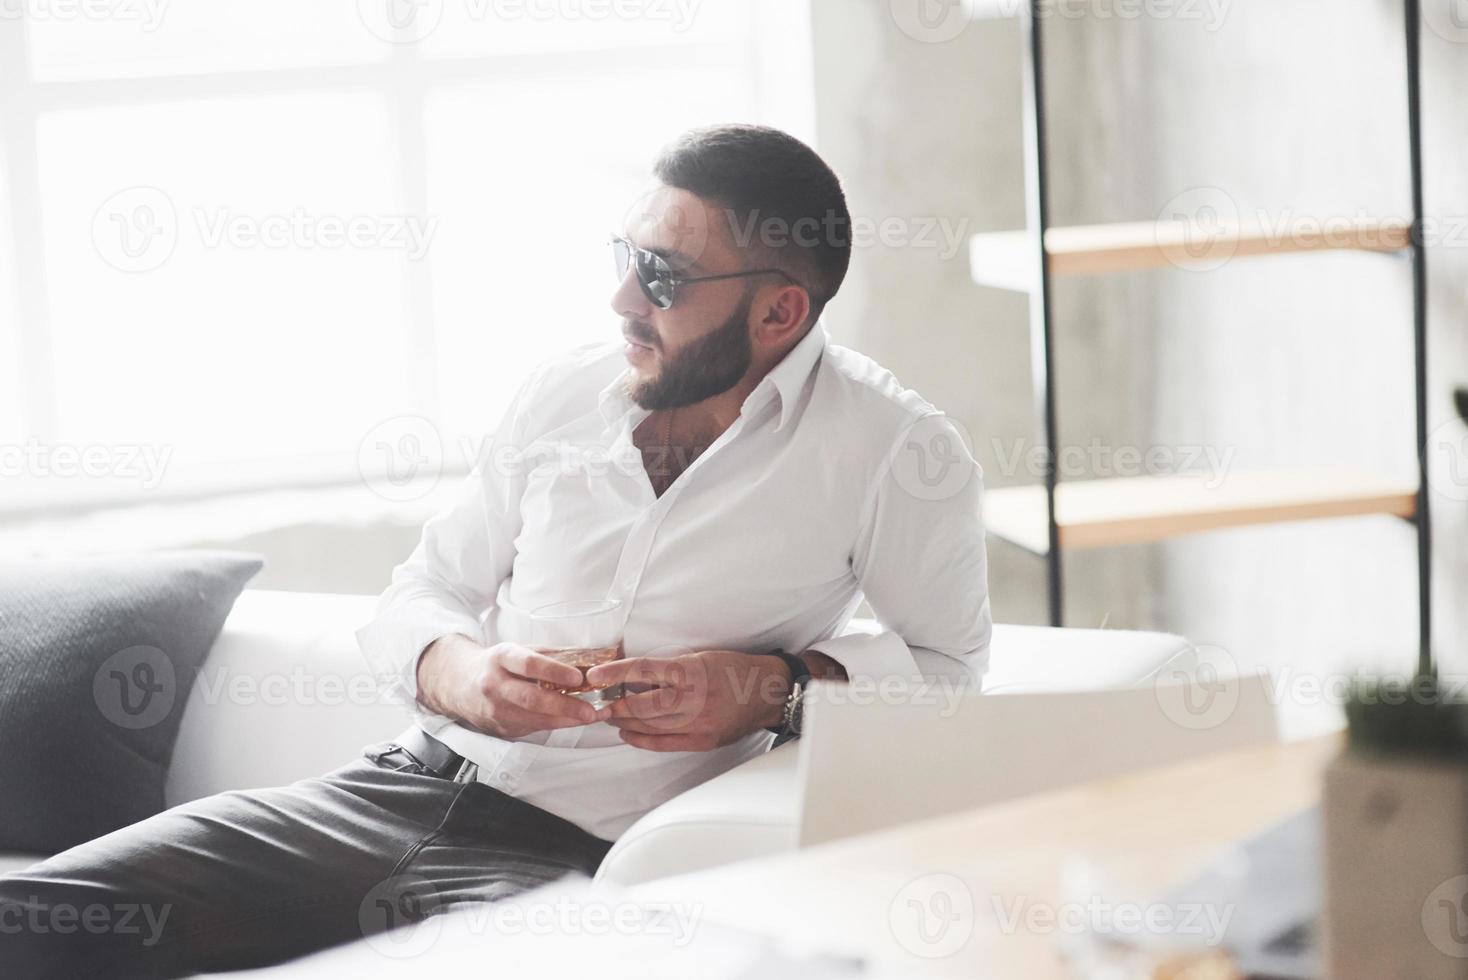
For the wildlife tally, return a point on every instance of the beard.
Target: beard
(708, 366)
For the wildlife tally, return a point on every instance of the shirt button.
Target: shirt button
(504, 779)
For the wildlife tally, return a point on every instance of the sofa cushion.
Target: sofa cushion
(746, 812)
(1030, 659)
(97, 658)
(286, 679)
(17, 862)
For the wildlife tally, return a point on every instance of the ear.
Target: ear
(784, 312)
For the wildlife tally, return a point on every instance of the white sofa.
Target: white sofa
(285, 695)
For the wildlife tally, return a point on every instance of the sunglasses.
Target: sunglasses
(658, 279)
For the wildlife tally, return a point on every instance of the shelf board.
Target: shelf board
(1131, 510)
(1003, 258)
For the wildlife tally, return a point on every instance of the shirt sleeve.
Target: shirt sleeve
(922, 564)
(452, 577)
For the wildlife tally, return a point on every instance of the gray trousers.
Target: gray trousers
(247, 879)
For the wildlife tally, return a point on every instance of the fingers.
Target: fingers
(536, 666)
(532, 699)
(662, 726)
(660, 671)
(658, 704)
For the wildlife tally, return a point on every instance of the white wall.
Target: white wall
(1297, 105)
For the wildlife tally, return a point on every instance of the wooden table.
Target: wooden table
(939, 898)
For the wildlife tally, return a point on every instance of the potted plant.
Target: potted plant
(1395, 834)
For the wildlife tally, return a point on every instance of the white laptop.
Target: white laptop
(868, 761)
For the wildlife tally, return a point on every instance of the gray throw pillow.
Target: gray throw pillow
(97, 658)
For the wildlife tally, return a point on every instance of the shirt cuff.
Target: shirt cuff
(871, 656)
(393, 642)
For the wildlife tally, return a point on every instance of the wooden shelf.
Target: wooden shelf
(1096, 513)
(1002, 259)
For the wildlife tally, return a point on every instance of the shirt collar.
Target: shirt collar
(788, 377)
(783, 380)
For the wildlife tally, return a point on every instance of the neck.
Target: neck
(710, 417)
(713, 415)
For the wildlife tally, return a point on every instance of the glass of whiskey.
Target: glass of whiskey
(582, 633)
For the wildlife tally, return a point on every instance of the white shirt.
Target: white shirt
(833, 483)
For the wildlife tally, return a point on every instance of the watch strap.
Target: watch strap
(799, 672)
(799, 676)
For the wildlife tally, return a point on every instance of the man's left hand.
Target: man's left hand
(696, 701)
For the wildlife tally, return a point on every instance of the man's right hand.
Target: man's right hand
(496, 690)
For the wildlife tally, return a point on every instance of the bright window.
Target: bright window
(247, 232)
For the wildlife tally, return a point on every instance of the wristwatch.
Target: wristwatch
(794, 703)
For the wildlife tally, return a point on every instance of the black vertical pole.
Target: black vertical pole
(1419, 334)
(1041, 348)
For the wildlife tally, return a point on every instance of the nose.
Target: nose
(628, 300)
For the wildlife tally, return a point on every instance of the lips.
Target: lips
(635, 342)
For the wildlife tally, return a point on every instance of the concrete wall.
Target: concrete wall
(1293, 111)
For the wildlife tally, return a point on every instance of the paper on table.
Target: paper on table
(1258, 900)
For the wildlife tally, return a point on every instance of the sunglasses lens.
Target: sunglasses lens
(621, 255)
(654, 275)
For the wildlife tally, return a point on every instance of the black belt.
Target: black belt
(433, 754)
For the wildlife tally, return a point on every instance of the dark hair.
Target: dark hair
(781, 198)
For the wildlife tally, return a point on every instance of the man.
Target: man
(735, 482)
